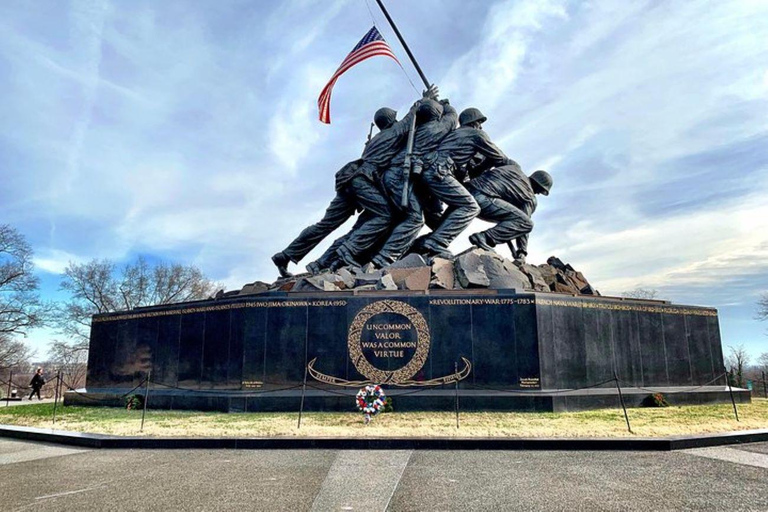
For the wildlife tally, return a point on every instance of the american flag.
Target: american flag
(370, 45)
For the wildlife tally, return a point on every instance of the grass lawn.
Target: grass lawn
(646, 422)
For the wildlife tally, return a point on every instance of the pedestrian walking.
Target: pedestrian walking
(36, 383)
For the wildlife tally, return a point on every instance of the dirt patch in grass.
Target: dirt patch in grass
(646, 422)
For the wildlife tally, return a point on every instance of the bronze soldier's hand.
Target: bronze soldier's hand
(432, 93)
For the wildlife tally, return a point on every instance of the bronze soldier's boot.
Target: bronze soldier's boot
(346, 258)
(431, 249)
(380, 261)
(314, 268)
(481, 241)
(281, 261)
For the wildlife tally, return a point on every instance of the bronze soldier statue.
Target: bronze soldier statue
(444, 171)
(507, 197)
(434, 120)
(356, 189)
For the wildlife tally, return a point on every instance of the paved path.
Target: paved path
(40, 477)
(24, 401)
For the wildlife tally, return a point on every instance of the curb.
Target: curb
(401, 443)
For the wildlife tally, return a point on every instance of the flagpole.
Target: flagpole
(402, 42)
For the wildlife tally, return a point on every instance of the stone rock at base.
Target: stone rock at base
(288, 286)
(330, 287)
(400, 275)
(504, 274)
(306, 284)
(534, 276)
(473, 268)
(556, 263)
(346, 277)
(469, 270)
(563, 288)
(576, 278)
(548, 274)
(443, 274)
(386, 283)
(364, 278)
(255, 287)
(413, 260)
(221, 294)
(419, 279)
(480, 268)
(324, 281)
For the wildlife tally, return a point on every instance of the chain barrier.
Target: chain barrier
(627, 384)
(104, 400)
(214, 391)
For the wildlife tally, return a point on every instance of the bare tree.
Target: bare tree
(99, 286)
(762, 362)
(71, 360)
(13, 353)
(20, 306)
(641, 293)
(762, 307)
(737, 361)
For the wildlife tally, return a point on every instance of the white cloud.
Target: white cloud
(54, 261)
(486, 73)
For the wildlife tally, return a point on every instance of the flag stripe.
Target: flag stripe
(325, 96)
(371, 45)
(357, 60)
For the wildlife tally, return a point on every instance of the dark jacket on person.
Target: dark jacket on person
(37, 381)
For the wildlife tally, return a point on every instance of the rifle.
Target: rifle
(370, 134)
(407, 163)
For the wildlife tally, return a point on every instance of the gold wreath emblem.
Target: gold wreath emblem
(354, 341)
(400, 377)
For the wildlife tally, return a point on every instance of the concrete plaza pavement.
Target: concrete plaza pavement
(48, 477)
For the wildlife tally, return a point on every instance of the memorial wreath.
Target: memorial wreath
(370, 400)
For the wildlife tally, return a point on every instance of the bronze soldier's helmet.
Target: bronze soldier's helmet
(470, 115)
(384, 118)
(428, 110)
(543, 179)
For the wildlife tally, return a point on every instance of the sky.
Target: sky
(187, 131)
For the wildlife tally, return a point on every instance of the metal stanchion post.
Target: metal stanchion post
(146, 400)
(8, 396)
(621, 399)
(56, 394)
(730, 390)
(455, 372)
(303, 390)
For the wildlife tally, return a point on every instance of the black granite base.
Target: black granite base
(251, 353)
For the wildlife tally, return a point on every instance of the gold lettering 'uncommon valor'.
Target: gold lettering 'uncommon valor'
(388, 336)
(388, 327)
(391, 337)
